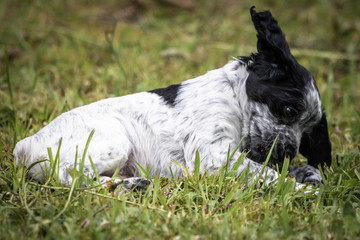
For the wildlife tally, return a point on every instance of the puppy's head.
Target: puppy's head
(284, 101)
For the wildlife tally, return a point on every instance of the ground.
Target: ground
(56, 55)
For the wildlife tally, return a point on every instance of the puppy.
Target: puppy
(259, 98)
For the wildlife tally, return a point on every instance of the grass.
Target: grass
(63, 54)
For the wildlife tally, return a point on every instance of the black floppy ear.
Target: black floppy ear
(271, 40)
(316, 146)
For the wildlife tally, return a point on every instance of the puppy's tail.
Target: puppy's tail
(28, 154)
(22, 151)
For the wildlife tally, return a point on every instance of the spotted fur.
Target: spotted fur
(261, 97)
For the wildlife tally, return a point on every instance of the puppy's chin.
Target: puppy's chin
(273, 161)
(260, 153)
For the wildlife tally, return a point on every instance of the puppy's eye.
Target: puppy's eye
(308, 174)
(289, 112)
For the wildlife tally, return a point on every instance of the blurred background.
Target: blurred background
(57, 55)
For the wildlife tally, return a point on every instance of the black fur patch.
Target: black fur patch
(275, 78)
(276, 94)
(316, 146)
(169, 93)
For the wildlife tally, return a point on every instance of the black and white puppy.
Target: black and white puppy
(260, 97)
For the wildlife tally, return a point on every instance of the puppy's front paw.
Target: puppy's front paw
(135, 184)
(305, 174)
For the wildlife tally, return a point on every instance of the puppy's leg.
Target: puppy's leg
(128, 184)
(302, 174)
(104, 167)
(66, 171)
(135, 184)
(106, 155)
(305, 174)
(267, 176)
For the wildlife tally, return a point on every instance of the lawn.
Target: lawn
(57, 55)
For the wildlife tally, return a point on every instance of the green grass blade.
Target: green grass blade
(11, 94)
(47, 172)
(116, 172)
(82, 162)
(173, 177)
(197, 167)
(283, 175)
(74, 172)
(7, 76)
(94, 169)
(56, 164)
(183, 168)
(146, 172)
(265, 163)
(72, 188)
(220, 183)
(236, 165)
(156, 184)
(237, 147)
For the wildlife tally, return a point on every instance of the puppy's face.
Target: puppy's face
(282, 111)
(284, 102)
